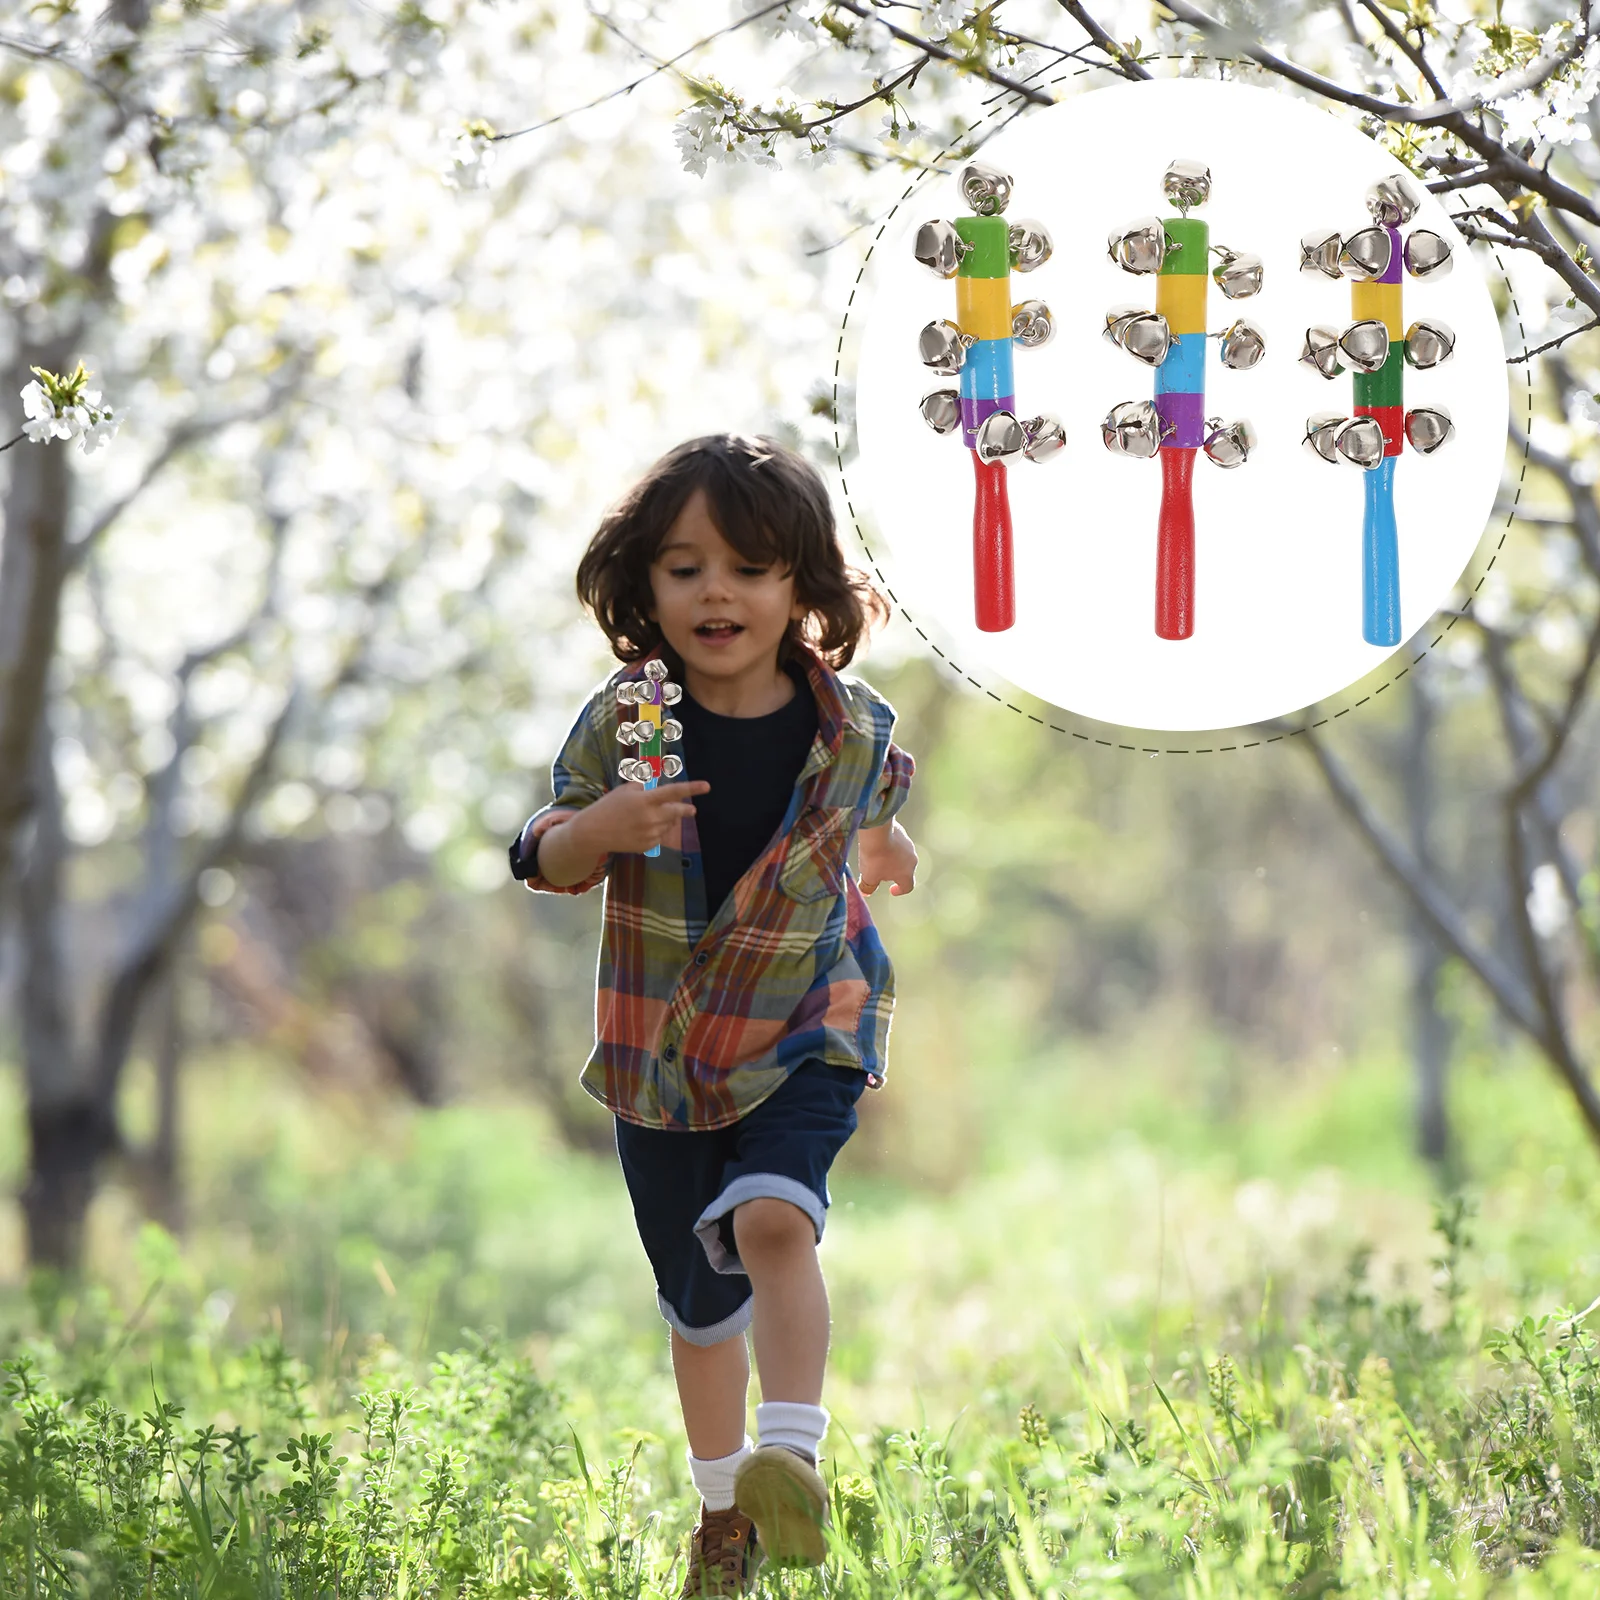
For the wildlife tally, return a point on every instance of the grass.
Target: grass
(1131, 1355)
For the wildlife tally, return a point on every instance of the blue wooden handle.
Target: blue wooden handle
(1380, 558)
(654, 849)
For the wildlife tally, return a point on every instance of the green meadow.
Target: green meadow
(1143, 1348)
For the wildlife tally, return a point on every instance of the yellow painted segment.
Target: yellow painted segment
(1380, 302)
(983, 307)
(649, 713)
(1181, 299)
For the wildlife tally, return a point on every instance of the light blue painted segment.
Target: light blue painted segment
(986, 373)
(1380, 558)
(1184, 370)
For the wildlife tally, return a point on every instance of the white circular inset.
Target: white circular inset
(1278, 539)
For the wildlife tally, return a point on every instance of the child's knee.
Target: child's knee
(768, 1226)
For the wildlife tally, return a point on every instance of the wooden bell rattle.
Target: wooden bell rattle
(980, 252)
(1172, 339)
(1376, 348)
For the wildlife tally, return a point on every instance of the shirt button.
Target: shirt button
(670, 1053)
(701, 959)
(685, 863)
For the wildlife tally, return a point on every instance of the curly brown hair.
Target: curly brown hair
(770, 505)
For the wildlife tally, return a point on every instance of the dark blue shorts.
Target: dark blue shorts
(685, 1185)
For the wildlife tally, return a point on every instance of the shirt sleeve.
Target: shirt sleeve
(578, 779)
(893, 787)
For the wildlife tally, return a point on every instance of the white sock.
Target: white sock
(714, 1479)
(793, 1425)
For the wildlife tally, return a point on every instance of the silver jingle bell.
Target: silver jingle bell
(943, 346)
(1243, 344)
(1366, 254)
(656, 671)
(1187, 183)
(1140, 247)
(1045, 437)
(940, 248)
(671, 766)
(1145, 335)
(1229, 446)
(986, 189)
(625, 693)
(1427, 428)
(999, 437)
(1320, 429)
(1319, 252)
(1031, 324)
(671, 694)
(1321, 351)
(1238, 274)
(1392, 201)
(1133, 428)
(941, 410)
(1360, 441)
(1365, 344)
(1429, 343)
(625, 769)
(671, 730)
(1030, 244)
(625, 734)
(1427, 254)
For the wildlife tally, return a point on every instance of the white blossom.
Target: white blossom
(942, 17)
(471, 157)
(1547, 905)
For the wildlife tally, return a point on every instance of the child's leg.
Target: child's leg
(713, 1386)
(777, 1245)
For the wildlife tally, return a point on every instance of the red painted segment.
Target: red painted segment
(1175, 546)
(994, 592)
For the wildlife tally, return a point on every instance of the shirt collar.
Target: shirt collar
(834, 714)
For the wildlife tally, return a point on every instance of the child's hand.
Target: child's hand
(888, 853)
(633, 818)
(538, 827)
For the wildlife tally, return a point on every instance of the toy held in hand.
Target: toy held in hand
(1378, 346)
(981, 252)
(1172, 340)
(648, 731)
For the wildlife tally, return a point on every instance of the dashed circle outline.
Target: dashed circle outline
(1089, 738)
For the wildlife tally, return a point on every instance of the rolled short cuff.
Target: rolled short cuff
(730, 1327)
(752, 1186)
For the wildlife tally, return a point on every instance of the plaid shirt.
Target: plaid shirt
(697, 1021)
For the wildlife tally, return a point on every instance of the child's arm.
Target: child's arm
(886, 848)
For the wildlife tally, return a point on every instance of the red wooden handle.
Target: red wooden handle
(994, 595)
(1175, 546)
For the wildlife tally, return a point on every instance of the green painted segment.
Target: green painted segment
(990, 238)
(1195, 237)
(1386, 386)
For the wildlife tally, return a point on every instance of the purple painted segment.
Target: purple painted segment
(1396, 258)
(973, 413)
(1186, 414)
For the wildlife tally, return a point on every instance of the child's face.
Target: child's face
(699, 578)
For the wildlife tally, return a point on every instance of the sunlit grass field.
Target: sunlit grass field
(1154, 1341)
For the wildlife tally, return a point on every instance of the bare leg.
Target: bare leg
(778, 1248)
(713, 1382)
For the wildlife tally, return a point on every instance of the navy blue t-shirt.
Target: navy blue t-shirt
(751, 764)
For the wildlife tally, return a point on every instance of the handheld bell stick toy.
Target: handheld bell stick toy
(1172, 339)
(1377, 349)
(648, 731)
(980, 252)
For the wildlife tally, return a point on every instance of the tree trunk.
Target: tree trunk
(1430, 1028)
(33, 568)
(68, 1130)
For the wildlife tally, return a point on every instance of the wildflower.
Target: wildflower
(1035, 1430)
